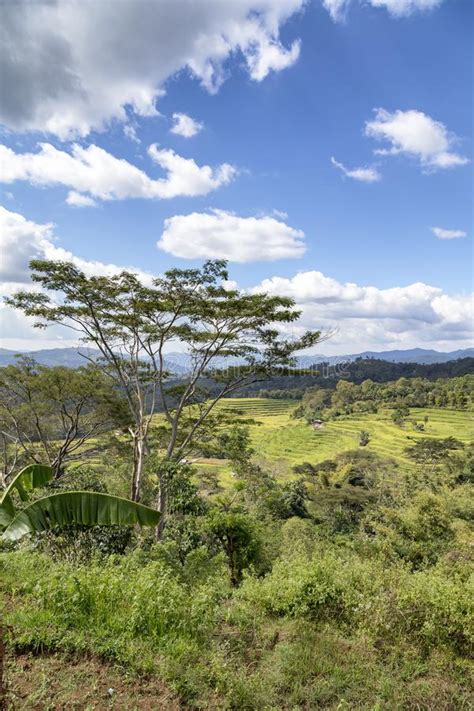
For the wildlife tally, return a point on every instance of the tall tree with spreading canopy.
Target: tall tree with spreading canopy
(132, 324)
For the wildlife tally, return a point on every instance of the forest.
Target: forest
(220, 551)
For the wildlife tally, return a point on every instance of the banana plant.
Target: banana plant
(87, 508)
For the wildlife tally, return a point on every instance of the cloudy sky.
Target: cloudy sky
(323, 147)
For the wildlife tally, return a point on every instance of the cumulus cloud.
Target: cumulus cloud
(22, 240)
(442, 233)
(184, 125)
(271, 56)
(396, 8)
(223, 235)
(415, 134)
(368, 174)
(79, 200)
(59, 75)
(92, 172)
(369, 317)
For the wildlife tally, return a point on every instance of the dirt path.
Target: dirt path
(58, 683)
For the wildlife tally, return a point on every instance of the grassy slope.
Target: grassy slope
(285, 441)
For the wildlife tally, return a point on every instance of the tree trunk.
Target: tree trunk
(139, 450)
(162, 505)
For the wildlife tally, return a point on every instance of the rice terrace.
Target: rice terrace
(279, 438)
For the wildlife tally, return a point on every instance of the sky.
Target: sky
(323, 147)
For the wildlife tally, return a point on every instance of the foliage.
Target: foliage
(325, 627)
(238, 537)
(361, 369)
(400, 395)
(429, 452)
(68, 508)
(52, 415)
(29, 478)
(78, 508)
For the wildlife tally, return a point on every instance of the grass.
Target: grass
(284, 441)
(295, 640)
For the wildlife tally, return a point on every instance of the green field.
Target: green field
(282, 441)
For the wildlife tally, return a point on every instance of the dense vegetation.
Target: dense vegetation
(326, 375)
(308, 554)
(352, 585)
(401, 395)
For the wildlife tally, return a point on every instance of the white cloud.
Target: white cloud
(271, 56)
(367, 174)
(79, 200)
(185, 126)
(131, 133)
(223, 235)
(368, 317)
(336, 8)
(69, 67)
(415, 134)
(397, 8)
(404, 8)
(442, 233)
(98, 174)
(22, 240)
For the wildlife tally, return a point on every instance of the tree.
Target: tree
(132, 323)
(237, 535)
(429, 453)
(85, 508)
(364, 438)
(48, 415)
(398, 416)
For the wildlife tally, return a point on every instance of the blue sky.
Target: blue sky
(277, 89)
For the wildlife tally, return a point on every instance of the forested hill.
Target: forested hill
(380, 371)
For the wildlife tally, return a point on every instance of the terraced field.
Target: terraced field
(283, 441)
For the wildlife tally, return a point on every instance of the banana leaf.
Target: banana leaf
(78, 507)
(29, 478)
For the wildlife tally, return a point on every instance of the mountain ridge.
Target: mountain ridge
(178, 363)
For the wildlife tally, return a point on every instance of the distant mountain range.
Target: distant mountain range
(413, 355)
(70, 358)
(178, 363)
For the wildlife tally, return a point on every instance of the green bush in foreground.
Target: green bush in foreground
(302, 635)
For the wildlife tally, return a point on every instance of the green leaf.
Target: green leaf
(79, 507)
(29, 478)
